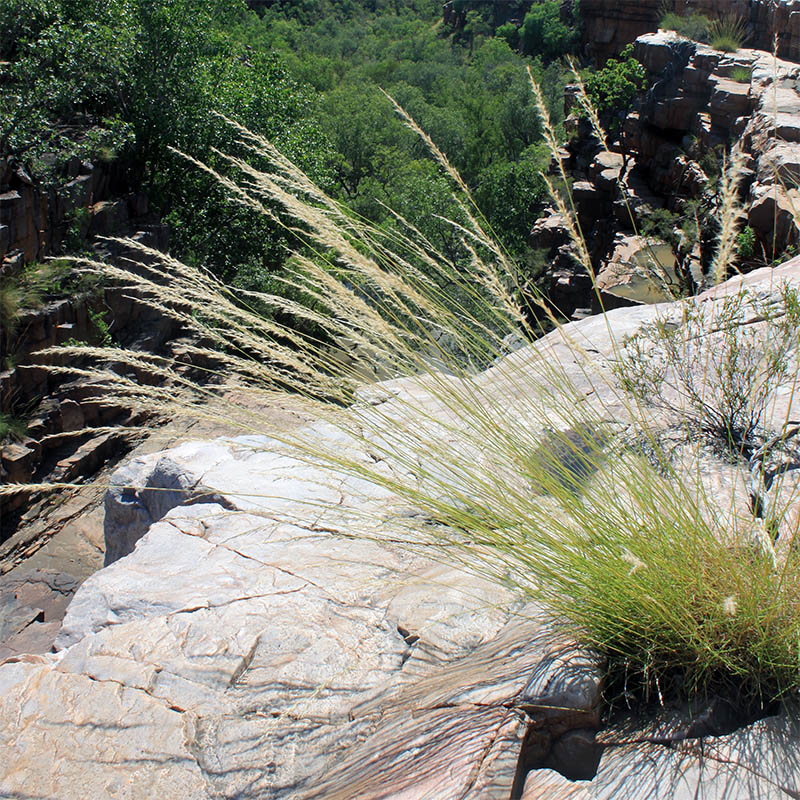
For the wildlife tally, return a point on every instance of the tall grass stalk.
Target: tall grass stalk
(530, 467)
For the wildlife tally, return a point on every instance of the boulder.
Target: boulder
(18, 462)
(549, 231)
(257, 655)
(780, 164)
(261, 633)
(772, 214)
(729, 100)
(33, 605)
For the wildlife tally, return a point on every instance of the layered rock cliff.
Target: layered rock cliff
(608, 25)
(648, 200)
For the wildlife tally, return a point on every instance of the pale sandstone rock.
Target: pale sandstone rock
(760, 761)
(639, 268)
(263, 639)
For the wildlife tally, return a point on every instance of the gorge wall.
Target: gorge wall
(652, 195)
(38, 220)
(608, 25)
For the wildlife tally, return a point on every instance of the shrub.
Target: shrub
(695, 26)
(12, 428)
(711, 371)
(508, 32)
(614, 87)
(746, 243)
(10, 304)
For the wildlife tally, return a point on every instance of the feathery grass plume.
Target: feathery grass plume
(531, 467)
(729, 216)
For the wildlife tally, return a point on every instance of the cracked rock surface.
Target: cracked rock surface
(256, 649)
(256, 634)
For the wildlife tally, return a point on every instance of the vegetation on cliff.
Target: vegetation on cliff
(580, 505)
(127, 80)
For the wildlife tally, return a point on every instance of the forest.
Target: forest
(131, 81)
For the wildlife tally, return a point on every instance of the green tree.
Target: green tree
(511, 195)
(613, 88)
(544, 33)
(360, 123)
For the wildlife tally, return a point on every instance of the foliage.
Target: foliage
(694, 26)
(12, 428)
(613, 88)
(715, 373)
(10, 305)
(741, 74)
(543, 33)
(53, 279)
(509, 34)
(38, 283)
(727, 33)
(746, 243)
(126, 80)
(511, 194)
(661, 223)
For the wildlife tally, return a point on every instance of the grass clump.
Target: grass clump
(532, 467)
(741, 74)
(12, 428)
(41, 282)
(727, 33)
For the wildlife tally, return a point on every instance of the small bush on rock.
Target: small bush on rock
(711, 368)
(728, 33)
(694, 26)
(614, 87)
(746, 243)
(741, 74)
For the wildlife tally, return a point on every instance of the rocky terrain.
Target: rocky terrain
(70, 428)
(609, 26)
(255, 634)
(606, 26)
(664, 161)
(38, 221)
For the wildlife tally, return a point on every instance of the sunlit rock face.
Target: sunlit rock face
(258, 634)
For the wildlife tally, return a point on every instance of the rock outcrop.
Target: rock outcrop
(87, 199)
(256, 634)
(609, 26)
(56, 408)
(38, 220)
(662, 174)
